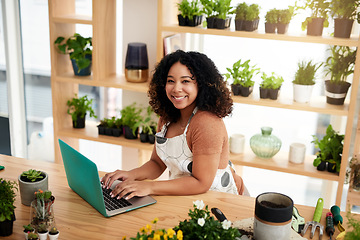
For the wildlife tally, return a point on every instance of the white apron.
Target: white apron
(176, 155)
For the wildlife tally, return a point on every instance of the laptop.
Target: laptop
(83, 178)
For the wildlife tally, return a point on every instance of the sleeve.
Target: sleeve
(206, 134)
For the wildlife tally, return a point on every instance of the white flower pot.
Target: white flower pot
(302, 93)
(43, 236)
(54, 237)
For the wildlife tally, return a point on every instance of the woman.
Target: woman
(191, 98)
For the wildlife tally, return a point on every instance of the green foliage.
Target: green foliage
(78, 47)
(305, 75)
(223, 8)
(7, 199)
(330, 148)
(42, 228)
(340, 64)
(271, 82)
(28, 228)
(240, 11)
(203, 226)
(189, 9)
(32, 175)
(285, 15)
(147, 122)
(208, 7)
(242, 73)
(79, 106)
(53, 231)
(33, 236)
(130, 115)
(247, 12)
(272, 16)
(319, 9)
(346, 9)
(42, 206)
(354, 225)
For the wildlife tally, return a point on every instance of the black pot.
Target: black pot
(195, 21)
(80, 122)
(246, 91)
(321, 166)
(315, 27)
(270, 27)
(116, 132)
(336, 93)
(282, 28)
(6, 227)
(343, 27)
(331, 167)
(128, 133)
(151, 138)
(250, 26)
(235, 88)
(101, 129)
(239, 24)
(218, 23)
(182, 20)
(144, 137)
(108, 131)
(264, 93)
(210, 22)
(273, 94)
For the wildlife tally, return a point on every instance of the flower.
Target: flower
(226, 224)
(199, 204)
(201, 221)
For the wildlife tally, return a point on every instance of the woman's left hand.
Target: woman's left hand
(130, 188)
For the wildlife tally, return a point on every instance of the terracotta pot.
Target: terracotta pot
(270, 27)
(315, 27)
(343, 27)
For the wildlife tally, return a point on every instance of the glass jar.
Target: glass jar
(41, 211)
(265, 145)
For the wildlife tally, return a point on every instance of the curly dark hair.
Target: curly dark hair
(213, 95)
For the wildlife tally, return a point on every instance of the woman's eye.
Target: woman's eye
(169, 81)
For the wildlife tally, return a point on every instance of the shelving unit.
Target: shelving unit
(168, 25)
(62, 21)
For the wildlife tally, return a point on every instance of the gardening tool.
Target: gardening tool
(329, 229)
(298, 222)
(338, 220)
(315, 223)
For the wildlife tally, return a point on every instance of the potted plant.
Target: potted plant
(344, 12)
(77, 108)
(41, 212)
(190, 13)
(33, 236)
(208, 7)
(222, 19)
(242, 74)
(304, 81)
(54, 233)
(28, 229)
(147, 126)
(284, 18)
(42, 230)
(240, 13)
(29, 182)
(80, 51)
(353, 174)
(252, 18)
(130, 115)
(339, 65)
(270, 86)
(7, 213)
(330, 150)
(353, 230)
(271, 20)
(319, 16)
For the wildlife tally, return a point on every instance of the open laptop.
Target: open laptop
(83, 178)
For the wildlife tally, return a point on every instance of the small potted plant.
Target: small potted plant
(190, 13)
(80, 50)
(304, 81)
(28, 229)
(130, 115)
(41, 212)
(242, 75)
(54, 233)
(7, 213)
(208, 7)
(252, 18)
(270, 86)
(42, 230)
(77, 108)
(339, 65)
(330, 150)
(344, 12)
(285, 16)
(29, 182)
(33, 236)
(353, 174)
(217, 13)
(271, 20)
(319, 16)
(148, 126)
(353, 228)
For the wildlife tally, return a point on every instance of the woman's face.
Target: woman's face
(181, 86)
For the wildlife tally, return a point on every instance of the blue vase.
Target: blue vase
(85, 71)
(265, 145)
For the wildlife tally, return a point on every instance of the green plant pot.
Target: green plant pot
(343, 27)
(265, 145)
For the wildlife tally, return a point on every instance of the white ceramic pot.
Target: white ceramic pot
(302, 93)
(55, 236)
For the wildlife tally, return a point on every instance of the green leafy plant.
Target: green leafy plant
(285, 15)
(78, 47)
(223, 8)
(189, 9)
(42, 228)
(7, 199)
(354, 225)
(203, 226)
(130, 115)
(340, 64)
(305, 74)
(28, 228)
(271, 82)
(330, 148)
(33, 236)
(253, 12)
(208, 7)
(272, 16)
(32, 175)
(79, 106)
(242, 73)
(147, 122)
(345, 9)
(319, 9)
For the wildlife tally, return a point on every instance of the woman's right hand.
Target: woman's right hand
(109, 178)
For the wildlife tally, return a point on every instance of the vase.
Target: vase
(265, 145)
(41, 211)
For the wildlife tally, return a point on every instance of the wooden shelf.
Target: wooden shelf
(352, 42)
(73, 19)
(90, 132)
(281, 163)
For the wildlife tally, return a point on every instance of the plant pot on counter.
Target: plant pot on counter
(343, 27)
(315, 27)
(302, 93)
(28, 188)
(128, 133)
(83, 72)
(270, 27)
(6, 227)
(336, 93)
(282, 28)
(218, 23)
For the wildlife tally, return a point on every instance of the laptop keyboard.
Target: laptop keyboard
(114, 203)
